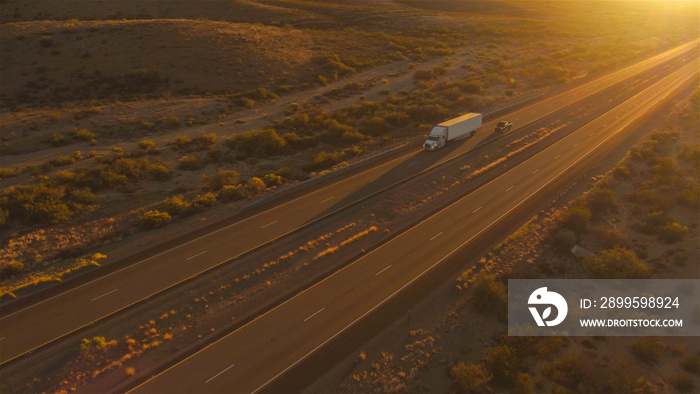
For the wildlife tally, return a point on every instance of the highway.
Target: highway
(41, 323)
(253, 356)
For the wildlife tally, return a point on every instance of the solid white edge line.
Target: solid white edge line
(105, 294)
(387, 267)
(197, 255)
(436, 235)
(215, 376)
(315, 313)
(269, 224)
(447, 255)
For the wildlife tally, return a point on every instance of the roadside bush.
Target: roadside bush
(577, 219)
(503, 364)
(523, 384)
(673, 232)
(147, 144)
(490, 295)
(11, 268)
(57, 140)
(254, 186)
(616, 263)
(190, 163)
(621, 172)
(232, 192)
(601, 201)
(691, 155)
(220, 179)
(648, 349)
(82, 134)
(470, 378)
(37, 204)
(690, 197)
(175, 205)
(181, 142)
(261, 143)
(160, 172)
(205, 200)
(423, 75)
(155, 219)
(610, 237)
(691, 364)
(272, 180)
(7, 173)
(654, 222)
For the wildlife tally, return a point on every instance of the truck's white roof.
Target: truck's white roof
(460, 119)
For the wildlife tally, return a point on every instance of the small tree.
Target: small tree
(470, 378)
(490, 295)
(616, 263)
(577, 219)
(255, 186)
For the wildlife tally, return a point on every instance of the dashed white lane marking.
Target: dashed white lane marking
(270, 224)
(576, 144)
(558, 156)
(591, 135)
(373, 180)
(214, 377)
(436, 235)
(328, 199)
(474, 211)
(508, 189)
(315, 313)
(535, 172)
(108, 293)
(415, 162)
(197, 255)
(377, 274)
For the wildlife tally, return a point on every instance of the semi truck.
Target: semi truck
(462, 127)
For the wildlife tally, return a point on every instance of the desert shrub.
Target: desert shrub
(673, 232)
(293, 108)
(691, 155)
(654, 222)
(490, 295)
(651, 198)
(503, 364)
(205, 200)
(322, 160)
(601, 201)
(295, 141)
(621, 172)
(261, 143)
(190, 163)
(470, 87)
(82, 134)
(691, 364)
(577, 219)
(232, 192)
(91, 346)
(423, 75)
(155, 219)
(46, 41)
(272, 180)
(175, 205)
(204, 142)
(220, 179)
(564, 240)
(690, 197)
(616, 263)
(181, 141)
(611, 238)
(57, 139)
(37, 204)
(470, 378)
(683, 383)
(10, 268)
(244, 102)
(7, 173)
(4, 215)
(160, 172)
(147, 144)
(254, 186)
(523, 384)
(553, 74)
(648, 349)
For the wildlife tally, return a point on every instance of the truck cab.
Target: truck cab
(503, 127)
(436, 139)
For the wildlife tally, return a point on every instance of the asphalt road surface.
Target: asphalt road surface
(253, 356)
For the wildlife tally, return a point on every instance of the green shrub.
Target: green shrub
(205, 200)
(272, 180)
(611, 238)
(160, 172)
(577, 219)
(37, 204)
(220, 179)
(232, 192)
(57, 140)
(470, 378)
(262, 143)
(490, 295)
(11, 268)
(673, 232)
(190, 163)
(147, 144)
(616, 263)
(82, 134)
(7, 173)
(89, 347)
(175, 205)
(503, 363)
(648, 349)
(254, 186)
(602, 200)
(621, 172)
(155, 219)
(423, 75)
(181, 141)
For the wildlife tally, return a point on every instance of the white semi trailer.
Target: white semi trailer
(462, 127)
